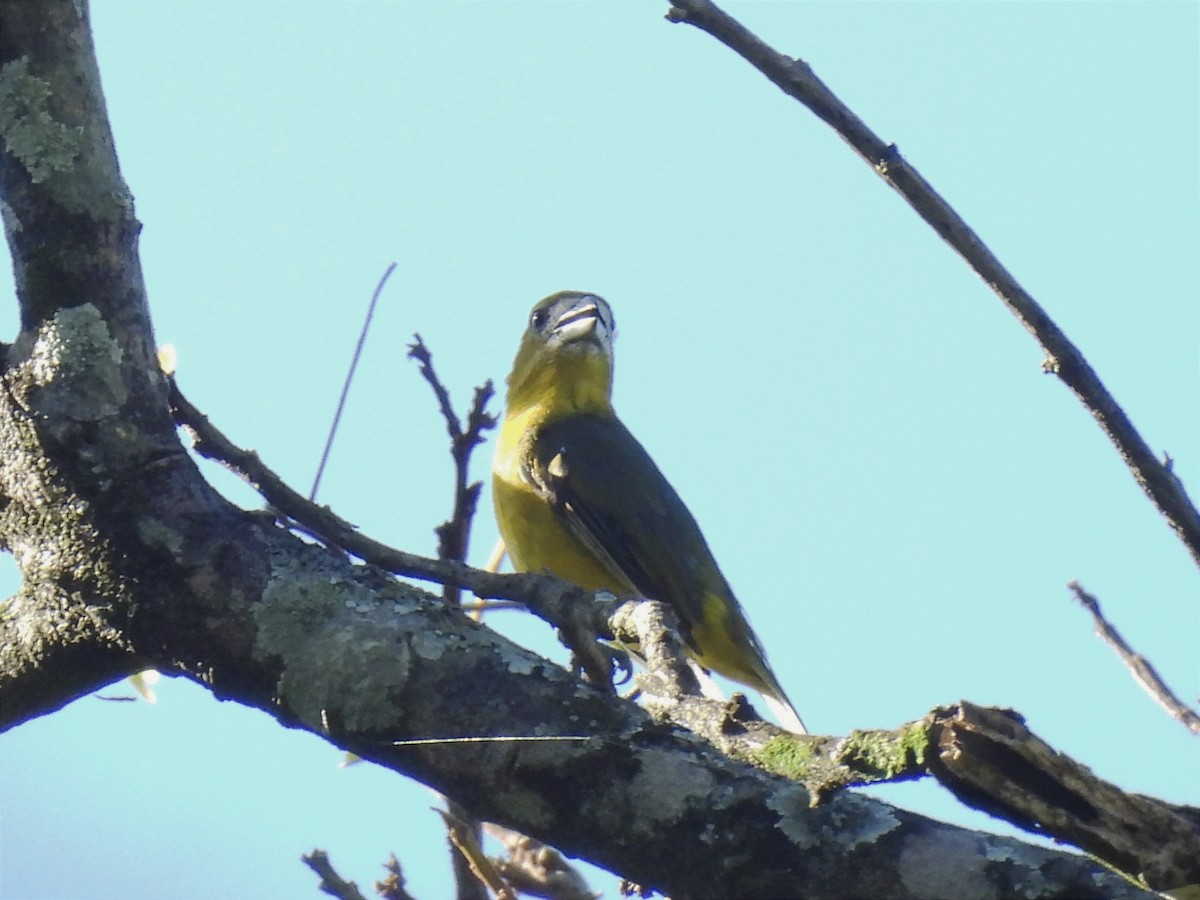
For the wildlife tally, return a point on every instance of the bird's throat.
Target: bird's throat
(568, 384)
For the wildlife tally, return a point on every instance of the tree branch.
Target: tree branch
(1139, 667)
(453, 535)
(331, 882)
(797, 79)
(392, 887)
(991, 761)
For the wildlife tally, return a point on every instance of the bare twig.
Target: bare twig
(454, 535)
(392, 887)
(534, 868)
(337, 416)
(331, 883)
(1139, 667)
(466, 840)
(796, 78)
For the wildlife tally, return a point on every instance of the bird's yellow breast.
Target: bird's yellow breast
(536, 538)
(537, 541)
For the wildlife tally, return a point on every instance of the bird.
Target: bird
(576, 495)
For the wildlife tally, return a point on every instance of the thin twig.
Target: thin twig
(358, 347)
(537, 869)
(796, 78)
(392, 887)
(1139, 667)
(454, 534)
(466, 839)
(418, 351)
(331, 882)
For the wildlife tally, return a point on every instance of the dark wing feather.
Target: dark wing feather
(613, 498)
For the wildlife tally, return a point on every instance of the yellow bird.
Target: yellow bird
(577, 495)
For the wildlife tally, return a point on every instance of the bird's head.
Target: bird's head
(566, 356)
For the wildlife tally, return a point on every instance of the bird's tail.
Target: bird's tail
(784, 712)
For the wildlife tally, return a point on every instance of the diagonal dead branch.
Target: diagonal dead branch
(1139, 667)
(796, 79)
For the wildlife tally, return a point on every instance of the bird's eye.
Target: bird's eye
(537, 321)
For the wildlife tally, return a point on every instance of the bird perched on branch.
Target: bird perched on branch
(578, 496)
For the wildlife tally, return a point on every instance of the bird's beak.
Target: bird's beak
(579, 321)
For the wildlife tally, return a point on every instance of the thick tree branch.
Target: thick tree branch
(797, 79)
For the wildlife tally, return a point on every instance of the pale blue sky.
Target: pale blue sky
(892, 486)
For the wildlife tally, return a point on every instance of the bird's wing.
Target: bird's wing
(607, 490)
(611, 496)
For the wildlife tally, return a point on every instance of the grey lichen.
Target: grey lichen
(675, 787)
(73, 366)
(43, 145)
(1025, 874)
(324, 657)
(796, 818)
(12, 224)
(527, 806)
(923, 863)
(518, 661)
(858, 821)
(848, 819)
